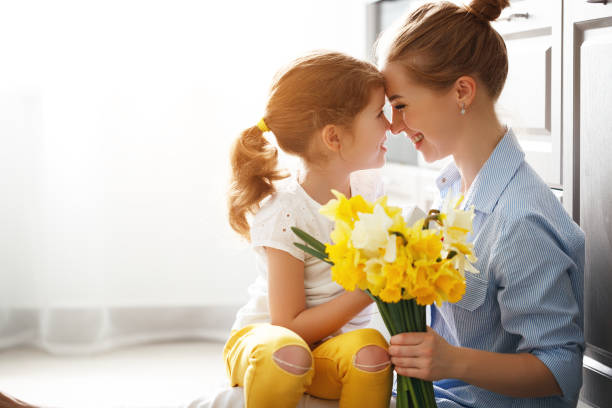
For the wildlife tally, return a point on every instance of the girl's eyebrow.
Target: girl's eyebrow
(393, 97)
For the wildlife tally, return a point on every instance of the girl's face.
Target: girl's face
(364, 148)
(429, 118)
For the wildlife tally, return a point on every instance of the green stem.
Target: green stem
(400, 317)
(384, 313)
(410, 389)
(395, 313)
(424, 317)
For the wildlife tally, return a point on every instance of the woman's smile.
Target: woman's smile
(416, 139)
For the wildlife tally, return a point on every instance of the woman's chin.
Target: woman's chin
(429, 158)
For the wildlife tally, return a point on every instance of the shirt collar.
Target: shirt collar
(492, 178)
(447, 177)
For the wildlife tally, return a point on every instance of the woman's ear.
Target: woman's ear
(330, 135)
(465, 91)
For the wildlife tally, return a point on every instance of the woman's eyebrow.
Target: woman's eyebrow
(393, 97)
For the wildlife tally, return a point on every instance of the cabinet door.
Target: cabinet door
(531, 99)
(587, 132)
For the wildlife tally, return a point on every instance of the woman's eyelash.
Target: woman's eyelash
(399, 107)
(381, 113)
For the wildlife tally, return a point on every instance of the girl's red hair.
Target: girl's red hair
(315, 90)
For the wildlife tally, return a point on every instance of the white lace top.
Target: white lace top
(271, 227)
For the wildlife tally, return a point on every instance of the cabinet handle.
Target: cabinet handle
(513, 16)
(598, 1)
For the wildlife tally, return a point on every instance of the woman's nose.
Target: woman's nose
(397, 123)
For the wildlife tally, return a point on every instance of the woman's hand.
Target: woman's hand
(429, 357)
(424, 355)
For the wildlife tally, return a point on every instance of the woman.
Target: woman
(516, 338)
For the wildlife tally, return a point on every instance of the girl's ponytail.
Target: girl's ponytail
(254, 170)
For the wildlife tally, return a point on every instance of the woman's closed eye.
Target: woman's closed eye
(399, 106)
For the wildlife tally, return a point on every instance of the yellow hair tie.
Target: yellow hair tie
(262, 126)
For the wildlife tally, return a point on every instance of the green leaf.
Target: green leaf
(309, 239)
(313, 252)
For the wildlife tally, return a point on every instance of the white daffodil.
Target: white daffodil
(462, 264)
(371, 232)
(391, 250)
(455, 227)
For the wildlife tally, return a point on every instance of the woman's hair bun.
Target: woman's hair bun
(488, 9)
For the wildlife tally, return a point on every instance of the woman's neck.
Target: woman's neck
(318, 181)
(478, 140)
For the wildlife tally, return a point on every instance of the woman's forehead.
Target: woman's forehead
(396, 79)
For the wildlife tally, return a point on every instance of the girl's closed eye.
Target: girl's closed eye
(381, 114)
(399, 106)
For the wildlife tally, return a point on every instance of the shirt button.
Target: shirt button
(443, 179)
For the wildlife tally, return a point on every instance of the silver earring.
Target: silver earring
(463, 108)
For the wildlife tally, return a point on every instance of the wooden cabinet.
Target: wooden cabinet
(587, 175)
(531, 99)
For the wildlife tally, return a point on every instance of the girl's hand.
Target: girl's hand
(360, 297)
(424, 355)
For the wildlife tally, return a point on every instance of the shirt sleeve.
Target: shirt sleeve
(271, 227)
(538, 297)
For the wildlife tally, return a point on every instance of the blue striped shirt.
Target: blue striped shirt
(528, 296)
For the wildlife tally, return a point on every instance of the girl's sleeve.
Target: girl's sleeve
(540, 296)
(271, 227)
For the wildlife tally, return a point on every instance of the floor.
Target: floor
(163, 375)
(154, 375)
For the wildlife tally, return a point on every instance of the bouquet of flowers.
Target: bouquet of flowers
(402, 267)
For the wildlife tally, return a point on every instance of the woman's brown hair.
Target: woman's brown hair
(440, 42)
(315, 90)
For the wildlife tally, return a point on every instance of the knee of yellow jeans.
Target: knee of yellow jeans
(372, 358)
(293, 359)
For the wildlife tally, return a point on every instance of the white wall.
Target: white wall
(115, 124)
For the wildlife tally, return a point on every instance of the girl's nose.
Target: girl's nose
(387, 124)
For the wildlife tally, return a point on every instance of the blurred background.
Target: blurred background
(116, 119)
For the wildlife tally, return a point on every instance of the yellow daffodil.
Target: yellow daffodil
(373, 249)
(345, 209)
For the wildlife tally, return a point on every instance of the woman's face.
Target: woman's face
(429, 118)
(364, 147)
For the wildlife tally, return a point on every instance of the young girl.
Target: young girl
(516, 338)
(301, 332)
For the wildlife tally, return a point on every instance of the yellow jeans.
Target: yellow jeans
(333, 374)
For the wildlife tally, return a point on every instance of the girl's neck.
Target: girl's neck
(319, 181)
(478, 139)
